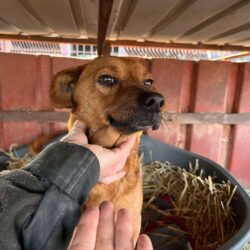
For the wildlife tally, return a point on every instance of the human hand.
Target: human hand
(98, 230)
(111, 161)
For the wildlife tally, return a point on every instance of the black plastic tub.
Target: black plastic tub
(155, 150)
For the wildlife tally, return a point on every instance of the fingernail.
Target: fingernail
(144, 242)
(122, 212)
(106, 204)
(76, 123)
(79, 124)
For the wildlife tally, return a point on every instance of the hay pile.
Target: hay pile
(16, 162)
(247, 247)
(202, 204)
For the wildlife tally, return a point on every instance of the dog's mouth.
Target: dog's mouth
(136, 123)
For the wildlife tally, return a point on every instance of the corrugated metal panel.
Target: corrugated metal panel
(196, 13)
(35, 48)
(191, 21)
(206, 87)
(182, 54)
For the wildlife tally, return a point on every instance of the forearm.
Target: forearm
(72, 168)
(72, 171)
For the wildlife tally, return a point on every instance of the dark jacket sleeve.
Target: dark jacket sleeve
(40, 204)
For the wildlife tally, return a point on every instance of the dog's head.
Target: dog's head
(109, 92)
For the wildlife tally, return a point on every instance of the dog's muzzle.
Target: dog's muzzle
(147, 114)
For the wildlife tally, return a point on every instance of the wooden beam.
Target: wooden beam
(128, 43)
(179, 118)
(106, 49)
(105, 8)
(207, 118)
(34, 116)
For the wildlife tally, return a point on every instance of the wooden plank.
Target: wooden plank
(146, 44)
(39, 116)
(207, 118)
(179, 118)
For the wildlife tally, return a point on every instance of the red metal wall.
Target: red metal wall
(24, 85)
(211, 87)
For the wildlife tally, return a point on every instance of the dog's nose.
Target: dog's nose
(151, 101)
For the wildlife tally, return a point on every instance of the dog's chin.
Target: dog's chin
(131, 125)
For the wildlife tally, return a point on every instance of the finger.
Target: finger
(76, 138)
(105, 232)
(123, 231)
(85, 236)
(112, 178)
(79, 126)
(78, 133)
(144, 243)
(126, 146)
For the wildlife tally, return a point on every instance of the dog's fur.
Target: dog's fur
(111, 114)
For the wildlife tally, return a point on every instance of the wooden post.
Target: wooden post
(105, 8)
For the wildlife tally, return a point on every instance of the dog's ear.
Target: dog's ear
(62, 87)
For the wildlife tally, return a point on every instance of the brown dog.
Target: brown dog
(114, 98)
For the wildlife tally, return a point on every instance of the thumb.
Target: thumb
(79, 127)
(77, 134)
(126, 146)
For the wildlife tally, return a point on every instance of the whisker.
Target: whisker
(165, 119)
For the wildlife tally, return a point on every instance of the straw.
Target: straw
(202, 204)
(16, 162)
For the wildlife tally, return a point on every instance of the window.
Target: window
(87, 48)
(115, 51)
(80, 50)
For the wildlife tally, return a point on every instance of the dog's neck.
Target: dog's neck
(106, 136)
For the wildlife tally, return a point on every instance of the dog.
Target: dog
(115, 98)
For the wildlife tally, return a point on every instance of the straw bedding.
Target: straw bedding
(201, 203)
(15, 162)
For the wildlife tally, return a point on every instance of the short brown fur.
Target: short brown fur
(77, 88)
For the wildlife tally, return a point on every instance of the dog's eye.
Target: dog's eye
(107, 80)
(148, 82)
